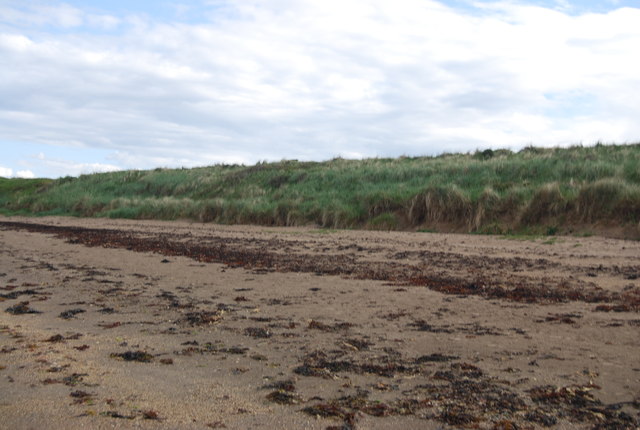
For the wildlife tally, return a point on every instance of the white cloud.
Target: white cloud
(15, 42)
(61, 15)
(105, 22)
(39, 14)
(5, 172)
(27, 174)
(310, 80)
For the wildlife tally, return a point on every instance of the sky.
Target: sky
(102, 85)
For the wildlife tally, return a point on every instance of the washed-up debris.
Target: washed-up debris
(578, 403)
(538, 416)
(320, 364)
(461, 395)
(437, 357)
(111, 291)
(284, 397)
(356, 344)
(258, 332)
(110, 325)
(21, 308)
(347, 408)
(115, 414)
(203, 317)
(422, 325)
(217, 425)
(71, 313)
(174, 302)
(73, 379)
(15, 294)
(316, 325)
(569, 318)
(261, 319)
(332, 410)
(55, 338)
(139, 356)
(578, 394)
(286, 385)
(392, 316)
(81, 396)
(210, 348)
(613, 308)
(259, 357)
(473, 329)
(56, 369)
(150, 415)
(238, 350)
(275, 302)
(459, 370)
(237, 254)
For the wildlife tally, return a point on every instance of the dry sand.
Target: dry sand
(183, 325)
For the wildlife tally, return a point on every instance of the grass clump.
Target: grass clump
(548, 202)
(492, 191)
(384, 221)
(436, 204)
(609, 197)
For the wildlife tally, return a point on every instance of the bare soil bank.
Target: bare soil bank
(132, 324)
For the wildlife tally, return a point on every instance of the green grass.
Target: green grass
(15, 190)
(543, 191)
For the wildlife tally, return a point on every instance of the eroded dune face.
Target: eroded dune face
(178, 325)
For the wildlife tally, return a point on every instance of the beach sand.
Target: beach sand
(179, 325)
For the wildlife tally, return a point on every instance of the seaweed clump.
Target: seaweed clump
(203, 317)
(21, 308)
(71, 313)
(15, 294)
(578, 403)
(139, 356)
(258, 332)
(284, 397)
(320, 364)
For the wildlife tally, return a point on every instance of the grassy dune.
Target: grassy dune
(536, 190)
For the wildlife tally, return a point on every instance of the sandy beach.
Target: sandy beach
(177, 325)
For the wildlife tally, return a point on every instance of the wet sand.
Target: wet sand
(130, 324)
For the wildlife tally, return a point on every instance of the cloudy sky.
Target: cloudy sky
(98, 85)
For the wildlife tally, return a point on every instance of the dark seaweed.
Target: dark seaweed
(21, 308)
(71, 313)
(203, 317)
(15, 294)
(139, 356)
(258, 332)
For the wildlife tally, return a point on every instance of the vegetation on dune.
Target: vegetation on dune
(13, 190)
(533, 190)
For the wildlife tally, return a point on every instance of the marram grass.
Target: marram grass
(536, 189)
